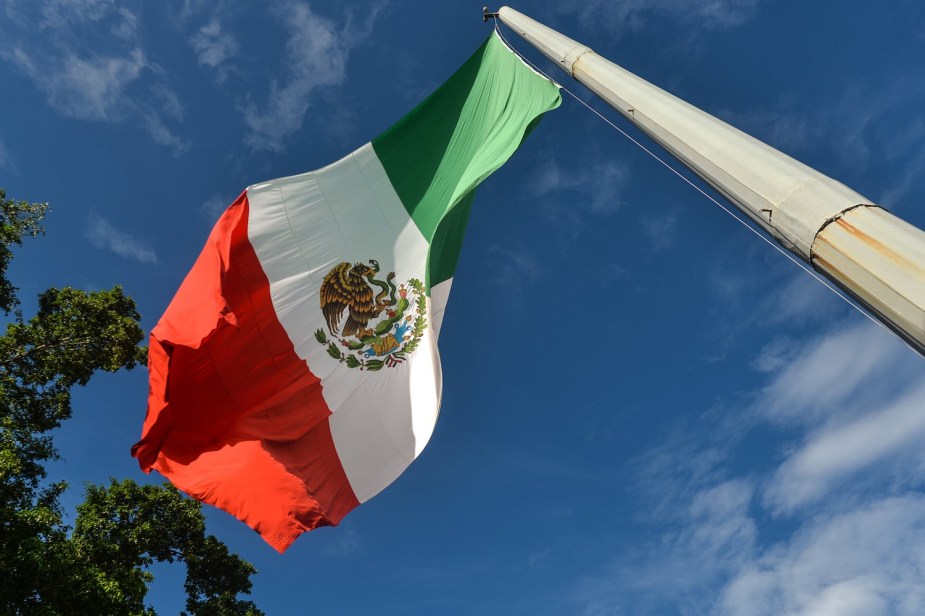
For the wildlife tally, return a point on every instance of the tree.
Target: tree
(99, 566)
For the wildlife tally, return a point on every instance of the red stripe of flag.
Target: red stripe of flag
(246, 428)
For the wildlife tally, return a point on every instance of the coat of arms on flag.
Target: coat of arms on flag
(371, 345)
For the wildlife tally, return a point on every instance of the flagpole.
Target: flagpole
(874, 256)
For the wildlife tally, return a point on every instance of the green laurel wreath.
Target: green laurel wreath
(417, 332)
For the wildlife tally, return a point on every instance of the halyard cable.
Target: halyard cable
(689, 182)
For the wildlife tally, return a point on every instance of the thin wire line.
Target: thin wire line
(689, 182)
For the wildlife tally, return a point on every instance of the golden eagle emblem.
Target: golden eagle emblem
(348, 286)
(351, 289)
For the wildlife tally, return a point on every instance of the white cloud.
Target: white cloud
(829, 457)
(789, 298)
(661, 231)
(110, 80)
(214, 48)
(6, 163)
(840, 373)
(191, 8)
(858, 392)
(213, 207)
(715, 13)
(775, 355)
(83, 88)
(104, 236)
(63, 13)
(800, 299)
(669, 475)
(600, 181)
(127, 26)
(784, 127)
(868, 561)
(346, 542)
(162, 135)
(632, 14)
(852, 401)
(841, 124)
(512, 267)
(715, 538)
(538, 559)
(911, 178)
(847, 125)
(316, 57)
(167, 101)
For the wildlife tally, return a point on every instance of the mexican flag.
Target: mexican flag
(295, 374)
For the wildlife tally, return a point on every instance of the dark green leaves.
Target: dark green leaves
(18, 219)
(124, 527)
(120, 529)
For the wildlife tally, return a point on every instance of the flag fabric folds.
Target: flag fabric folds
(295, 373)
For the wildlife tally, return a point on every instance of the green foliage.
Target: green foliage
(99, 566)
(73, 335)
(334, 352)
(123, 528)
(18, 219)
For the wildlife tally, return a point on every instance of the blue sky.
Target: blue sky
(646, 410)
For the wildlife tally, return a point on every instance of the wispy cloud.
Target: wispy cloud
(537, 560)
(83, 88)
(839, 452)
(161, 134)
(661, 230)
(6, 162)
(599, 181)
(316, 57)
(910, 179)
(512, 268)
(714, 538)
(798, 298)
(97, 69)
(842, 124)
(62, 14)
(848, 463)
(633, 14)
(790, 298)
(671, 474)
(847, 125)
(907, 146)
(215, 48)
(858, 394)
(781, 127)
(104, 236)
(775, 355)
(212, 208)
(346, 542)
(839, 374)
(864, 561)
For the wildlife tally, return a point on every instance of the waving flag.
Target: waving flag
(295, 374)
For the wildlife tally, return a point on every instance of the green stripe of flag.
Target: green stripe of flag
(438, 153)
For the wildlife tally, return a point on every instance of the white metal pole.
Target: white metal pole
(876, 257)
